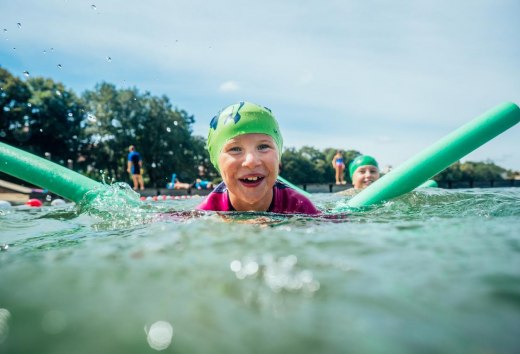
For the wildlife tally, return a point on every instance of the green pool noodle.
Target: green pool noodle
(429, 183)
(438, 156)
(298, 189)
(45, 174)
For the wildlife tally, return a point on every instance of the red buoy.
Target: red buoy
(34, 203)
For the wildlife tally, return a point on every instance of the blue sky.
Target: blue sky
(385, 78)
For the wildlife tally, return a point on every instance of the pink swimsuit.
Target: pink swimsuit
(285, 201)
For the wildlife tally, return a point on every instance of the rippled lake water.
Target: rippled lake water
(434, 271)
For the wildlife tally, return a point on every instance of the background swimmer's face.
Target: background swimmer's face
(365, 176)
(249, 167)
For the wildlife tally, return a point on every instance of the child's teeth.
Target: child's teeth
(252, 178)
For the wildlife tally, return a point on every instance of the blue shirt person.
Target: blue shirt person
(134, 167)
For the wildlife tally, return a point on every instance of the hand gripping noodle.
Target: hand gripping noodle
(238, 119)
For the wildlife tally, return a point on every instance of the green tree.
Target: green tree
(14, 109)
(40, 116)
(55, 120)
(488, 171)
(296, 167)
(452, 173)
(118, 118)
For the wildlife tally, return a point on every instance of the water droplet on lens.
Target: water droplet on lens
(168, 129)
(44, 51)
(5, 29)
(116, 123)
(48, 198)
(70, 114)
(26, 73)
(92, 118)
(109, 59)
(58, 92)
(175, 123)
(59, 66)
(19, 25)
(93, 7)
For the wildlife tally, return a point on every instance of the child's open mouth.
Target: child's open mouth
(252, 181)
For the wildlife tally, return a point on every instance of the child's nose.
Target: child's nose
(251, 159)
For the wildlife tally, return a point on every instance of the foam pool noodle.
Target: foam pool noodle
(438, 156)
(298, 189)
(46, 174)
(429, 184)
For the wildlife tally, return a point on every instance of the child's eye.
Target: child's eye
(234, 149)
(263, 147)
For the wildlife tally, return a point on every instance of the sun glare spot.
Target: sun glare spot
(160, 335)
(4, 326)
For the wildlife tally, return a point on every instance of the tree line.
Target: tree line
(90, 133)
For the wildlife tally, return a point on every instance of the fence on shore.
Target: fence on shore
(12, 195)
(333, 188)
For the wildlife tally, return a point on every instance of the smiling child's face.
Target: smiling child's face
(249, 166)
(365, 176)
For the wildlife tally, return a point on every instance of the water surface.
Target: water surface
(433, 271)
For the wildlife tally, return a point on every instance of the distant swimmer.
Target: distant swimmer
(134, 167)
(245, 146)
(364, 170)
(202, 184)
(176, 184)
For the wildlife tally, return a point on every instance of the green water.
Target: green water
(435, 271)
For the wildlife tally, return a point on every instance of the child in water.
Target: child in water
(245, 146)
(364, 171)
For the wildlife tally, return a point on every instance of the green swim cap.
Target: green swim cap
(238, 119)
(361, 160)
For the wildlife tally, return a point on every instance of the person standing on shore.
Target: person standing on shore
(134, 167)
(339, 165)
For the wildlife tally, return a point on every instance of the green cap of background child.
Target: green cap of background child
(238, 119)
(362, 160)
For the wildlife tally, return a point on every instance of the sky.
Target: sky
(386, 78)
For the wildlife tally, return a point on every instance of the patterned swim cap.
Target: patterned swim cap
(361, 160)
(238, 119)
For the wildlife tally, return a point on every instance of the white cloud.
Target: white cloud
(229, 86)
